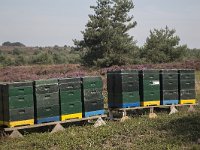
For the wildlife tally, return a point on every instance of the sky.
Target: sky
(58, 22)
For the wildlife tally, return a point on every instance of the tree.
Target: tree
(162, 46)
(13, 44)
(106, 39)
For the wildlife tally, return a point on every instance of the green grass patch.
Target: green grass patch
(178, 131)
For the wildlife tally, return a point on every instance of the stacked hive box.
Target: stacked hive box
(149, 87)
(70, 98)
(18, 104)
(46, 94)
(1, 106)
(169, 87)
(187, 87)
(123, 89)
(92, 97)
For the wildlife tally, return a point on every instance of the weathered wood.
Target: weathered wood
(160, 106)
(53, 123)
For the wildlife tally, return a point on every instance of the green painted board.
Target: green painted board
(169, 84)
(50, 88)
(71, 108)
(70, 96)
(19, 114)
(48, 111)
(187, 84)
(150, 85)
(47, 99)
(127, 97)
(92, 94)
(15, 102)
(70, 86)
(187, 94)
(45, 82)
(16, 91)
(150, 95)
(92, 82)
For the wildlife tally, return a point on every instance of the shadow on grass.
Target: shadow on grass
(186, 129)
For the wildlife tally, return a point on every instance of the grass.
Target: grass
(178, 131)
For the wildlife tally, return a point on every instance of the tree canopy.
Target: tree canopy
(13, 44)
(162, 46)
(106, 40)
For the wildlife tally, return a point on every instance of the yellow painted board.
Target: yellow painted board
(19, 123)
(71, 116)
(188, 101)
(151, 103)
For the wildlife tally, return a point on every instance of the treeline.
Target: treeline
(29, 56)
(61, 55)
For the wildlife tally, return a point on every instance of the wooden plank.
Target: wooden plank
(53, 123)
(160, 106)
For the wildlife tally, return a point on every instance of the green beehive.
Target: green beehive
(18, 104)
(169, 86)
(70, 98)
(187, 86)
(92, 98)
(1, 107)
(92, 83)
(125, 88)
(149, 87)
(110, 86)
(46, 94)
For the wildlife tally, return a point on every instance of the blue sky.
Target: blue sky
(51, 22)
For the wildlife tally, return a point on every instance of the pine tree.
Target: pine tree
(162, 46)
(106, 39)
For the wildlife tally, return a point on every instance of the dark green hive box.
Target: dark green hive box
(92, 94)
(18, 114)
(126, 86)
(46, 86)
(47, 99)
(187, 94)
(92, 82)
(186, 74)
(127, 97)
(48, 111)
(14, 102)
(110, 86)
(150, 85)
(149, 74)
(1, 106)
(186, 84)
(93, 105)
(169, 84)
(126, 75)
(169, 74)
(150, 95)
(169, 95)
(71, 108)
(17, 88)
(70, 96)
(67, 84)
(69, 80)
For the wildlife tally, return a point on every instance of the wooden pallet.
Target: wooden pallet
(171, 107)
(14, 132)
